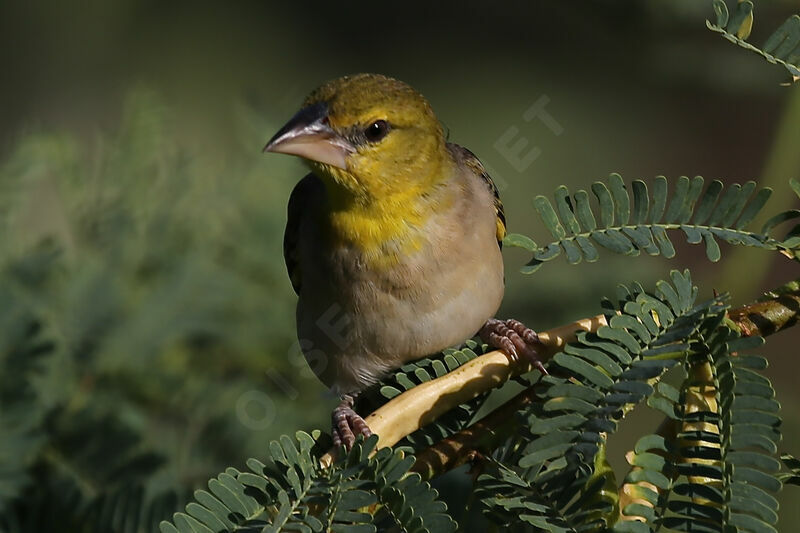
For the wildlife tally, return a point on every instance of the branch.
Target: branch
(771, 315)
(423, 404)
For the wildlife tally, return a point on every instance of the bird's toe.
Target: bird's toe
(515, 339)
(347, 424)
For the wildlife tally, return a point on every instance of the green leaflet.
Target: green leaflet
(679, 197)
(520, 241)
(641, 202)
(621, 199)
(659, 199)
(632, 223)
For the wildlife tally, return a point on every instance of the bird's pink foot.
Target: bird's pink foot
(347, 424)
(515, 339)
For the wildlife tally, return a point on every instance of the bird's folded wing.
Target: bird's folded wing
(303, 198)
(471, 161)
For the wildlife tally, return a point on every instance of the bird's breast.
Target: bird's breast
(375, 296)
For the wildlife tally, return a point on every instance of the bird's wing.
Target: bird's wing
(471, 161)
(302, 200)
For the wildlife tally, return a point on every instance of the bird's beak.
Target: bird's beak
(309, 136)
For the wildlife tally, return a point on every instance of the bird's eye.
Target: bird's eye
(376, 131)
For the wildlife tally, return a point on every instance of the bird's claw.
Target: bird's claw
(347, 424)
(515, 339)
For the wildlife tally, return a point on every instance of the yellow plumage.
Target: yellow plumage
(376, 199)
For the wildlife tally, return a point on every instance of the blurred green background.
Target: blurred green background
(141, 226)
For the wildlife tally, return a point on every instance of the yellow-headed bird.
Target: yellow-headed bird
(392, 242)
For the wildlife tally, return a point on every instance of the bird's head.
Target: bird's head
(369, 135)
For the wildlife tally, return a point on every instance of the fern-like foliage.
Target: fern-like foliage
(113, 315)
(782, 47)
(720, 467)
(561, 449)
(64, 465)
(21, 415)
(641, 224)
(358, 494)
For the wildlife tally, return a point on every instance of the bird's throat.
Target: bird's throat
(382, 230)
(386, 227)
(384, 215)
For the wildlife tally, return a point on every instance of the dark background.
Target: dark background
(130, 141)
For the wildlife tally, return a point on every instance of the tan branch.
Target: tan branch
(768, 316)
(423, 404)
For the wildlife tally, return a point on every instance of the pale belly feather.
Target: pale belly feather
(357, 324)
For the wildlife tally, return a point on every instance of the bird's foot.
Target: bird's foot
(515, 339)
(347, 424)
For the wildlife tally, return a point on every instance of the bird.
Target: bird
(393, 240)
